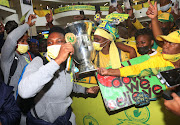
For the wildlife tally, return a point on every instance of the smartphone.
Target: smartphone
(170, 77)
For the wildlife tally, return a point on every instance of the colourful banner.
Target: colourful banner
(4, 3)
(91, 111)
(120, 92)
(89, 7)
(79, 7)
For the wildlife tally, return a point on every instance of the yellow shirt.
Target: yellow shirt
(104, 60)
(150, 67)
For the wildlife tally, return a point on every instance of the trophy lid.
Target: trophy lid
(77, 22)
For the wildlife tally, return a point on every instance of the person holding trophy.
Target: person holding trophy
(50, 84)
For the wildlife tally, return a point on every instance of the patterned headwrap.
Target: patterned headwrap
(107, 29)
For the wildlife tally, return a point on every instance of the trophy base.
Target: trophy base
(87, 73)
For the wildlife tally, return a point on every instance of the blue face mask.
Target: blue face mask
(165, 8)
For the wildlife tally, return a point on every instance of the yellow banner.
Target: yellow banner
(41, 13)
(79, 7)
(89, 7)
(140, 6)
(4, 3)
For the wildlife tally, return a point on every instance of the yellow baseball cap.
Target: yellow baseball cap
(166, 17)
(173, 37)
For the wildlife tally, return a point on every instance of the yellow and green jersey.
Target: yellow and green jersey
(147, 68)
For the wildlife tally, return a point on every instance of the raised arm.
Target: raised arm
(152, 13)
(11, 41)
(49, 19)
(134, 20)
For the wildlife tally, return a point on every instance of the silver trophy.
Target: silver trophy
(83, 47)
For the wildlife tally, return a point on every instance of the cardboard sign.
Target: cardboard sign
(120, 92)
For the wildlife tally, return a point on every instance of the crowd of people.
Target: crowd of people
(35, 87)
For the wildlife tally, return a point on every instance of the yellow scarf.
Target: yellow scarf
(171, 57)
(113, 51)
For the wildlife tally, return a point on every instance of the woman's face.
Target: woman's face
(100, 40)
(143, 40)
(23, 39)
(171, 48)
(55, 38)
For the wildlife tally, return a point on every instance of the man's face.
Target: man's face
(167, 25)
(23, 39)
(55, 38)
(164, 2)
(171, 48)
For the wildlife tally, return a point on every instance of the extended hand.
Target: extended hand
(102, 71)
(30, 18)
(119, 9)
(93, 90)
(173, 105)
(152, 11)
(111, 9)
(130, 12)
(49, 17)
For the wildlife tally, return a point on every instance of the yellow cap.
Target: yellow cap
(166, 17)
(173, 37)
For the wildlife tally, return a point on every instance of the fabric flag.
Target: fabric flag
(41, 13)
(24, 16)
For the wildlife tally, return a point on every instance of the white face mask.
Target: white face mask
(165, 8)
(53, 51)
